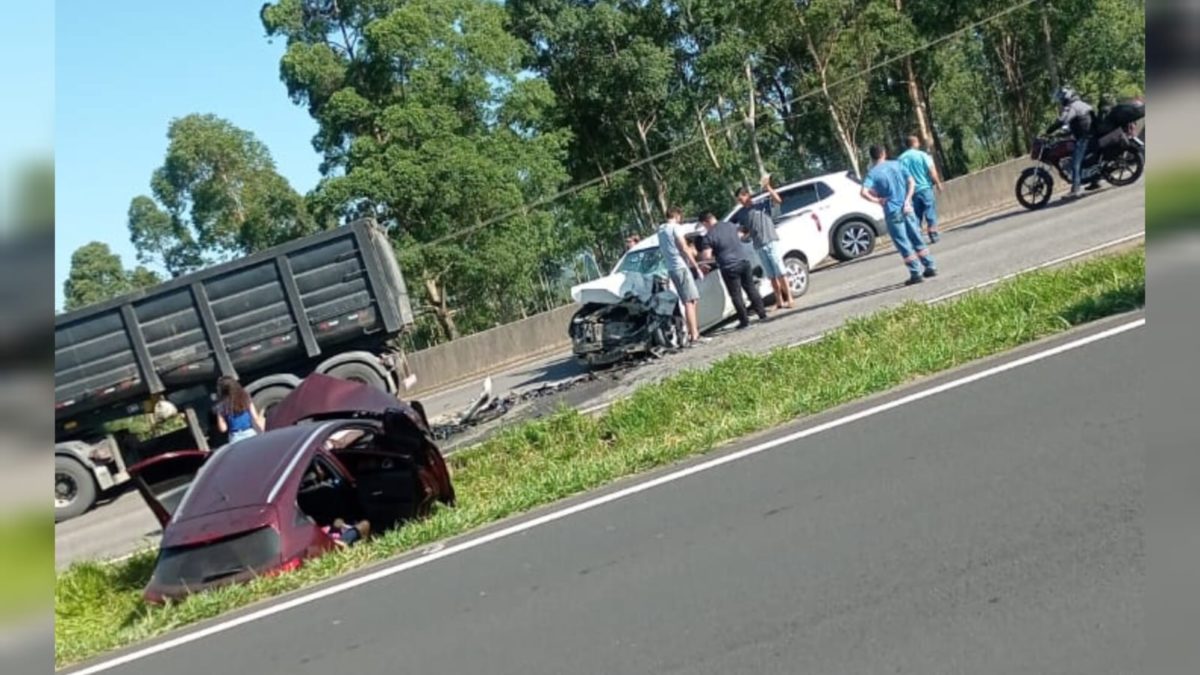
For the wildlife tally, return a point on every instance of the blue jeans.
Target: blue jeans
(1081, 147)
(905, 232)
(235, 436)
(925, 207)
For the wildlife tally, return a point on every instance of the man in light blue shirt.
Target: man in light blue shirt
(890, 186)
(925, 176)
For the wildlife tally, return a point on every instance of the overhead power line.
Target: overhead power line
(579, 187)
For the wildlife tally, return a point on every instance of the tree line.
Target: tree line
(510, 147)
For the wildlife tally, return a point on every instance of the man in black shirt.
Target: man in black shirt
(723, 243)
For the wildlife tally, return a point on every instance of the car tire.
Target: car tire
(852, 239)
(77, 488)
(797, 274)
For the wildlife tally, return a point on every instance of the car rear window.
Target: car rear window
(256, 550)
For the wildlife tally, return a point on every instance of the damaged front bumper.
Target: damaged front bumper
(598, 340)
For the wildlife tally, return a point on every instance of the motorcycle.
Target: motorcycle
(1118, 157)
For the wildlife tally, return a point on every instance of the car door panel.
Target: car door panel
(163, 480)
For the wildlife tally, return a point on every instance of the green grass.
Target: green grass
(1170, 205)
(26, 558)
(98, 606)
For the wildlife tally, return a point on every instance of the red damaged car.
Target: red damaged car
(333, 449)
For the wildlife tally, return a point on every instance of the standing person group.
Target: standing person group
(889, 184)
(235, 412)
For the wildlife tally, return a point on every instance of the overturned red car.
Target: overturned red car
(333, 450)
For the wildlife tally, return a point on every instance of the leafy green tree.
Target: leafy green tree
(1105, 52)
(216, 196)
(427, 122)
(97, 275)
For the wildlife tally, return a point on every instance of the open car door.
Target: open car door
(401, 470)
(164, 479)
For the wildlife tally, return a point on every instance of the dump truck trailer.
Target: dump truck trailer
(333, 303)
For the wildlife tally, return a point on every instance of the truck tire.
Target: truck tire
(270, 390)
(357, 371)
(74, 488)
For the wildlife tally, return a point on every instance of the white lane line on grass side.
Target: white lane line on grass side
(992, 282)
(589, 504)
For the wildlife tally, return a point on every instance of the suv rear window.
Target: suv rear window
(256, 550)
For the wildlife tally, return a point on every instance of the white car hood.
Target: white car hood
(613, 288)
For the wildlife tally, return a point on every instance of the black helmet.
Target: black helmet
(1065, 95)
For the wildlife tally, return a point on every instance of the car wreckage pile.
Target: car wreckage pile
(626, 314)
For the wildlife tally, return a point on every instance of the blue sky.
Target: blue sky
(124, 69)
(28, 83)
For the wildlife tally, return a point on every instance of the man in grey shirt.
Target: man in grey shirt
(672, 245)
(756, 221)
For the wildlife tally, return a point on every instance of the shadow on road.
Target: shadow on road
(847, 298)
(553, 371)
(1055, 203)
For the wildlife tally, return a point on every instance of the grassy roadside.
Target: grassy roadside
(98, 608)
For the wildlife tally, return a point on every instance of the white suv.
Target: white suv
(851, 222)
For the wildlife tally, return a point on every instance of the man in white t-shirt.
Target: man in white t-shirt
(680, 262)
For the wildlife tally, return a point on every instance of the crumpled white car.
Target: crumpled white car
(635, 310)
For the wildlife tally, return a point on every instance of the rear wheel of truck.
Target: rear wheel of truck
(74, 489)
(269, 391)
(357, 371)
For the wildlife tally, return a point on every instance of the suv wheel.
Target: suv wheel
(853, 239)
(797, 274)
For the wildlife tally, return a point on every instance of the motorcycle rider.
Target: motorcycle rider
(1074, 116)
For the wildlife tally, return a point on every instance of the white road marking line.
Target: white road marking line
(1048, 263)
(601, 500)
(992, 282)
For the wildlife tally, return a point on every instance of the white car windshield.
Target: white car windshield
(643, 261)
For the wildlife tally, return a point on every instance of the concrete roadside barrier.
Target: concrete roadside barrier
(489, 351)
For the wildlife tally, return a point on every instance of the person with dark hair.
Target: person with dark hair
(723, 244)
(919, 164)
(755, 221)
(236, 415)
(890, 186)
(681, 264)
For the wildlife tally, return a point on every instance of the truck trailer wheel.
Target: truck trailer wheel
(357, 371)
(74, 489)
(269, 391)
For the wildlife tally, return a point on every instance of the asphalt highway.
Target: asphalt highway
(994, 526)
